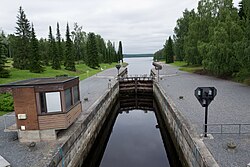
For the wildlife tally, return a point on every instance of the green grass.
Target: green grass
(184, 67)
(82, 70)
(3, 113)
(179, 63)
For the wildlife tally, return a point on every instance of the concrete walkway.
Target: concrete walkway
(19, 154)
(230, 106)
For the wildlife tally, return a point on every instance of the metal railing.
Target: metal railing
(9, 123)
(136, 77)
(228, 128)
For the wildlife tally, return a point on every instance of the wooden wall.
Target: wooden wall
(59, 121)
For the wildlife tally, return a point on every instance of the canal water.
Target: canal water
(133, 138)
(139, 66)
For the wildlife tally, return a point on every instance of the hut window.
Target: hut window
(68, 98)
(50, 102)
(76, 94)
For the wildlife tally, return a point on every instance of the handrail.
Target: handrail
(8, 124)
(131, 78)
(243, 128)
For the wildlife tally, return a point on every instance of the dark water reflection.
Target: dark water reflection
(133, 138)
(135, 141)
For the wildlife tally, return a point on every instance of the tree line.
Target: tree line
(31, 54)
(216, 36)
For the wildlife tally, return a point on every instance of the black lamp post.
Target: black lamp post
(158, 67)
(205, 95)
(118, 66)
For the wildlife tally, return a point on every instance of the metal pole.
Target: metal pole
(206, 113)
(158, 75)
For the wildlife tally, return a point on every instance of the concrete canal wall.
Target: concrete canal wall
(76, 148)
(190, 147)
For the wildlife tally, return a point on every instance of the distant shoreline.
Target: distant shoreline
(137, 55)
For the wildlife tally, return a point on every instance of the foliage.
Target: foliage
(216, 36)
(35, 59)
(28, 52)
(53, 52)
(168, 51)
(181, 31)
(79, 40)
(23, 32)
(82, 70)
(92, 52)
(158, 56)
(69, 58)
(101, 48)
(4, 73)
(59, 46)
(111, 53)
(6, 102)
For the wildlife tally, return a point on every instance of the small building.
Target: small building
(45, 105)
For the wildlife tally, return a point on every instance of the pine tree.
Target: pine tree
(4, 73)
(120, 54)
(168, 51)
(59, 44)
(55, 61)
(44, 51)
(23, 32)
(69, 57)
(35, 59)
(92, 52)
(111, 54)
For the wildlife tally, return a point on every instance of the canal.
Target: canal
(134, 138)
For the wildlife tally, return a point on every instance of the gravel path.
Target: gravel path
(231, 105)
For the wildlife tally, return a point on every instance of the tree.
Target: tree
(242, 11)
(69, 57)
(109, 52)
(44, 51)
(59, 43)
(79, 41)
(4, 73)
(35, 60)
(23, 32)
(53, 52)
(168, 51)
(92, 52)
(120, 54)
(181, 31)
(101, 48)
(159, 55)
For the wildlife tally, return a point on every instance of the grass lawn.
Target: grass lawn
(184, 67)
(3, 113)
(82, 70)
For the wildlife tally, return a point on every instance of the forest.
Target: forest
(27, 52)
(215, 36)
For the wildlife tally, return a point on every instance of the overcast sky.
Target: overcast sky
(141, 25)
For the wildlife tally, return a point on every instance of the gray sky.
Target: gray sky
(142, 25)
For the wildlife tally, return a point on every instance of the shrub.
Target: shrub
(6, 102)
